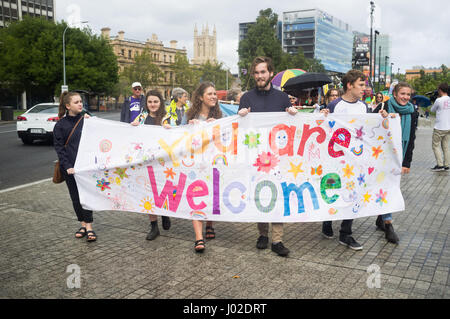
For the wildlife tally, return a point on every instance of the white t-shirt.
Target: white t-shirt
(442, 108)
(344, 107)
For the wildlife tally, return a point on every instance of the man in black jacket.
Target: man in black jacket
(264, 98)
(133, 105)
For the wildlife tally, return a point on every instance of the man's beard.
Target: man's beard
(263, 86)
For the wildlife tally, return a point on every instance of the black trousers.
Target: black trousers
(82, 214)
(346, 226)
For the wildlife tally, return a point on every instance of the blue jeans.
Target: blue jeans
(386, 217)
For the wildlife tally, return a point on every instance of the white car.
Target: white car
(38, 122)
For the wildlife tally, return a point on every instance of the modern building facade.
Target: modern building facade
(321, 36)
(205, 46)
(126, 50)
(16, 10)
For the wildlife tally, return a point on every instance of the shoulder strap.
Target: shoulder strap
(73, 130)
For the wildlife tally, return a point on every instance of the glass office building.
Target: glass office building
(16, 10)
(321, 36)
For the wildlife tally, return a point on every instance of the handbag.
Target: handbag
(58, 177)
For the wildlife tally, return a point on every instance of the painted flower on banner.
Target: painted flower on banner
(381, 197)
(121, 172)
(361, 179)
(350, 186)
(376, 151)
(266, 162)
(348, 171)
(169, 173)
(252, 140)
(103, 184)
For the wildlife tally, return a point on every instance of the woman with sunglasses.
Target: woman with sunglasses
(133, 105)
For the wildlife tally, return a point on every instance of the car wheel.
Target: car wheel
(27, 140)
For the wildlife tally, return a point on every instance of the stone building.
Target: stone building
(126, 50)
(205, 46)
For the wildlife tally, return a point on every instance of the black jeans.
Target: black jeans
(82, 214)
(346, 227)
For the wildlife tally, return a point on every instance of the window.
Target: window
(129, 54)
(123, 52)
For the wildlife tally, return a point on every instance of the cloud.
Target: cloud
(419, 32)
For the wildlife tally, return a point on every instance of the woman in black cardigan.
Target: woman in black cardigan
(70, 115)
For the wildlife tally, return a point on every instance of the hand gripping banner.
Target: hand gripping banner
(265, 167)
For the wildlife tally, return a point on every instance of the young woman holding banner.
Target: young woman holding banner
(400, 103)
(153, 113)
(205, 107)
(66, 136)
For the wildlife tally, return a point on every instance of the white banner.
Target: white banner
(265, 167)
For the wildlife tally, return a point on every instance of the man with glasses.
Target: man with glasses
(133, 105)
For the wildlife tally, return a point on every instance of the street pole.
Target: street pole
(385, 70)
(379, 67)
(375, 59)
(372, 8)
(392, 63)
(64, 53)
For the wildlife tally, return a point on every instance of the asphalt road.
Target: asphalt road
(22, 164)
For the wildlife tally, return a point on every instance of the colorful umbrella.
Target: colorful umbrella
(280, 79)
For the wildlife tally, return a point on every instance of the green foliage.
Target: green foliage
(430, 82)
(214, 73)
(32, 58)
(185, 75)
(143, 70)
(261, 40)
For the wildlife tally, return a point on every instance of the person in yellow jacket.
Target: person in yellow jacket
(177, 107)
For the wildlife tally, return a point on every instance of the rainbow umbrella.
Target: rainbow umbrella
(280, 79)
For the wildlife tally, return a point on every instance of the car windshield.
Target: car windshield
(44, 108)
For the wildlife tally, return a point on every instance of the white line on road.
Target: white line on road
(7, 131)
(25, 185)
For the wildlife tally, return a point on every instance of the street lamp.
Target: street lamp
(385, 70)
(64, 53)
(375, 61)
(372, 9)
(379, 67)
(392, 63)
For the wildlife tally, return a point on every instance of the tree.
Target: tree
(214, 73)
(143, 70)
(261, 40)
(32, 59)
(429, 82)
(185, 75)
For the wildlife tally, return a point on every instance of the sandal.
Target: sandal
(210, 234)
(80, 232)
(91, 236)
(198, 243)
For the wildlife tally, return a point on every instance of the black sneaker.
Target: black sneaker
(280, 249)
(446, 168)
(391, 236)
(166, 222)
(153, 233)
(262, 242)
(438, 168)
(327, 231)
(380, 223)
(350, 242)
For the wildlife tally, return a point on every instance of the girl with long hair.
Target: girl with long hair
(205, 107)
(153, 113)
(70, 124)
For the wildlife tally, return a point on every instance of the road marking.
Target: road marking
(7, 132)
(25, 185)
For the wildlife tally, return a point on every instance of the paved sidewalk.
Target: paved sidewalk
(37, 243)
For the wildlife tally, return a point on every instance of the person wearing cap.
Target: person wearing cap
(177, 108)
(133, 105)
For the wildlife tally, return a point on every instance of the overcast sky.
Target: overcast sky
(419, 30)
